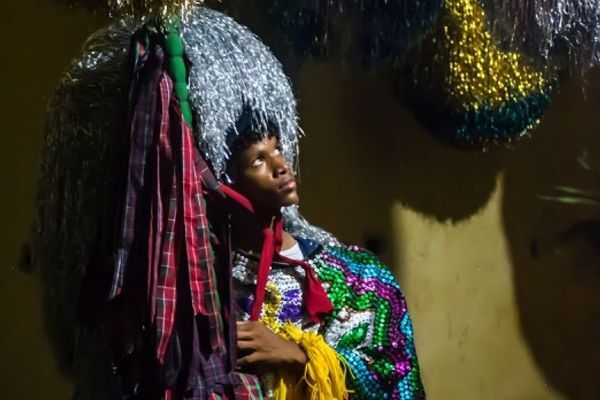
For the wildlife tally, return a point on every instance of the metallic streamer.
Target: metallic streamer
(231, 71)
(138, 8)
(298, 226)
(75, 182)
(362, 32)
(564, 33)
(468, 89)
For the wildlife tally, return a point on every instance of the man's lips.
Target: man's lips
(289, 184)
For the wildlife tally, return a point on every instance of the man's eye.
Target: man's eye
(277, 151)
(257, 161)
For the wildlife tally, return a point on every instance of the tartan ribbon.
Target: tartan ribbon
(164, 188)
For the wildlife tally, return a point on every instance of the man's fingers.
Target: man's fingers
(242, 326)
(247, 360)
(246, 345)
(245, 335)
(243, 362)
(246, 325)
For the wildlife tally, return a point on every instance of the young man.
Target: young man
(317, 319)
(368, 325)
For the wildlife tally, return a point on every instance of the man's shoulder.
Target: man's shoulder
(350, 258)
(308, 247)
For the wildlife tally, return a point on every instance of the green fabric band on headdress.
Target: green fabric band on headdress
(174, 48)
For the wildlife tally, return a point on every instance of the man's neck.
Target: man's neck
(248, 232)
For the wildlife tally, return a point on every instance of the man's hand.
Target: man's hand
(265, 351)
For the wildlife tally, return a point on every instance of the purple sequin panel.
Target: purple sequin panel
(291, 309)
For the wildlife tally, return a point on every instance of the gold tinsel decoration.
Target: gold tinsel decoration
(479, 72)
(478, 92)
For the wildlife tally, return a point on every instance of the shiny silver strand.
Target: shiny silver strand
(76, 182)
(233, 70)
(296, 225)
(565, 33)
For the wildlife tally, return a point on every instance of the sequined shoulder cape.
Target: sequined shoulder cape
(370, 326)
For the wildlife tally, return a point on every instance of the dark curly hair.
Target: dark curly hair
(248, 133)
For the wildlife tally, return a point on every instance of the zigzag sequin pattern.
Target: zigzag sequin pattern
(370, 326)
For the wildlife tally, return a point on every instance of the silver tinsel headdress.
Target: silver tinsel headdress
(231, 70)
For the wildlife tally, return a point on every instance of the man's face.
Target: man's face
(263, 175)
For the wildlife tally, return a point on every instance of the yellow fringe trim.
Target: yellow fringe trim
(325, 371)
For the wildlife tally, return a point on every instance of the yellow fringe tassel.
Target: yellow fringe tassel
(324, 374)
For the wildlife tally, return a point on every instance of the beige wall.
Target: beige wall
(492, 321)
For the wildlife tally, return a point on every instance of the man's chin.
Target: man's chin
(290, 200)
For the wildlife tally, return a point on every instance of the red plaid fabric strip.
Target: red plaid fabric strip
(250, 389)
(194, 222)
(203, 283)
(165, 228)
(166, 289)
(200, 175)
(215, 321)
(164, 173)
(209, 181)
(141, 134)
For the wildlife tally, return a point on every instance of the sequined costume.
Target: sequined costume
(370, 326)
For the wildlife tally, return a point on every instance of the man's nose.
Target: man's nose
(280, 166)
